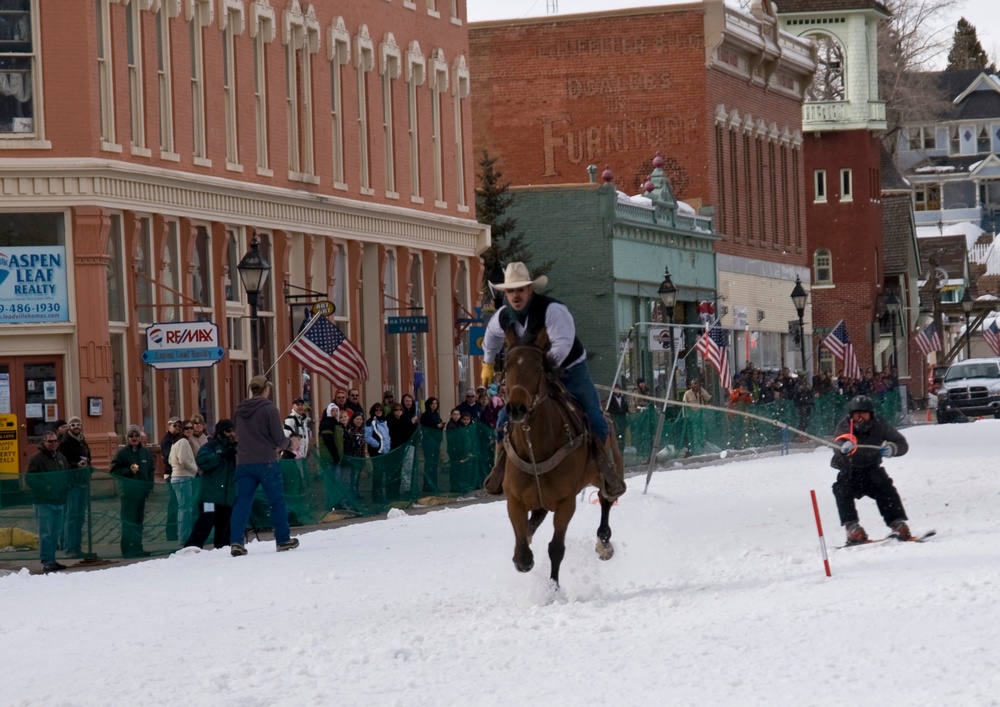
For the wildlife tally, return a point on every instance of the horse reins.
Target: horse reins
(532, 466)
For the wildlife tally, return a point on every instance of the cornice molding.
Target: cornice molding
(62, 183)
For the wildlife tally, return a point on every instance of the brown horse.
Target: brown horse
(550, 456)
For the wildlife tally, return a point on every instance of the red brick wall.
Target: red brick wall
(851, 230)
(551, 98)
(72, 112)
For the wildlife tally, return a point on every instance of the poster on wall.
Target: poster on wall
(4, 393)
(33, 284)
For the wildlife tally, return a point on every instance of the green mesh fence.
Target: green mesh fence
(115, 517)
(691, 431)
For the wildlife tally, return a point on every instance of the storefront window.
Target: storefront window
(116, 289)
(170, 276)
(144, 274)
(202, 268)
(339, 289)
(232, 281)
(418, 342)
(391, 308)
(118, 381)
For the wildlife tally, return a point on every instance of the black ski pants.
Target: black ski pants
(873, 482)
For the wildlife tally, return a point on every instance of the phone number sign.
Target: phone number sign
(33, 284)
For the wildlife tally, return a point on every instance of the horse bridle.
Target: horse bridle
(532, 466)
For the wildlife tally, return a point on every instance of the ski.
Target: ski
(870, 541)
(919, 538)
(893, 536)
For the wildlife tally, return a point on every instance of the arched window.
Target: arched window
(828, 82)
(822, 267)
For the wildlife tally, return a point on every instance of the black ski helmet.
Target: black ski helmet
(861, 403)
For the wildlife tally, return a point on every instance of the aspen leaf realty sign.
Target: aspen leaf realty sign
(33, 284)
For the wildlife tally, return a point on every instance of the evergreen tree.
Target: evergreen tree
(966, 51)
(493, 199)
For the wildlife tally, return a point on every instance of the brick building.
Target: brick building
(144, 142)
(717, 91)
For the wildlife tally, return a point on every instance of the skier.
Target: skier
(866, 441)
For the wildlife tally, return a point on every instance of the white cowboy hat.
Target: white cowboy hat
(517, 275)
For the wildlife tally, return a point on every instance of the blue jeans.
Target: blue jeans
(182, 490)
(248, 478)
(50, 525)
(75, 514)
(579, 385)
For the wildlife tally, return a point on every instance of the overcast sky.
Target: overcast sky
(981, 13)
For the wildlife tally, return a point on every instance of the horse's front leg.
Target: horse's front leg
(537, 516)
(605, 550)
(524, 560)
(560, 521)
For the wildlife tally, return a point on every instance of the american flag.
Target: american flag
(713, 347)
(840, 345)
(928, 340)
(322, 347)
(992, 336)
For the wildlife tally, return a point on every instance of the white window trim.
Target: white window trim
(339, 54)
(301, 35)
(460, 92)
(439, 87)
(136, 83)
(232, 24)
(262, 32)
(820, 184)
(389, 53)
(106, 80)
(416, 74)
(846, 180)
(364, 61)
(201, 14)
(165, 11)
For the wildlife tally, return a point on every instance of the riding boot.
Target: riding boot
(614, 481)
(494, 482)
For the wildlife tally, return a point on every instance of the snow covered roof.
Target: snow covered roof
(969, 230)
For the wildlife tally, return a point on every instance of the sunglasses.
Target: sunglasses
(134, 434)
(51, 441)
(188, 427)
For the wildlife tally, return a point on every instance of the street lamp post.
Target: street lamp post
(892, 304)
(668, 295)
(967, 308)
(799, 297)
(253, 273)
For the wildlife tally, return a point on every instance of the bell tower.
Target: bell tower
(844, 92)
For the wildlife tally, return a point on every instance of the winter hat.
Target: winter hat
(493, 390)
(76, 419)
(332, 410)
(224, 425)
(57, 424)
(133, 429)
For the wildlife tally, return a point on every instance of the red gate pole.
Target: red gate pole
(819, 529)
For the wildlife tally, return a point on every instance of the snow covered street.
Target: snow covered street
(716, 596)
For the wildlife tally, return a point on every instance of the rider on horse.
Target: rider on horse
(527, 313)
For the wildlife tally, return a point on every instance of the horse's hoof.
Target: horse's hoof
(524, 568)
(605, 550)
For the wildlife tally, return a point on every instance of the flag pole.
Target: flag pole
(298, 336)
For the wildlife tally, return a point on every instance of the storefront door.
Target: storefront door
(31, 389)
